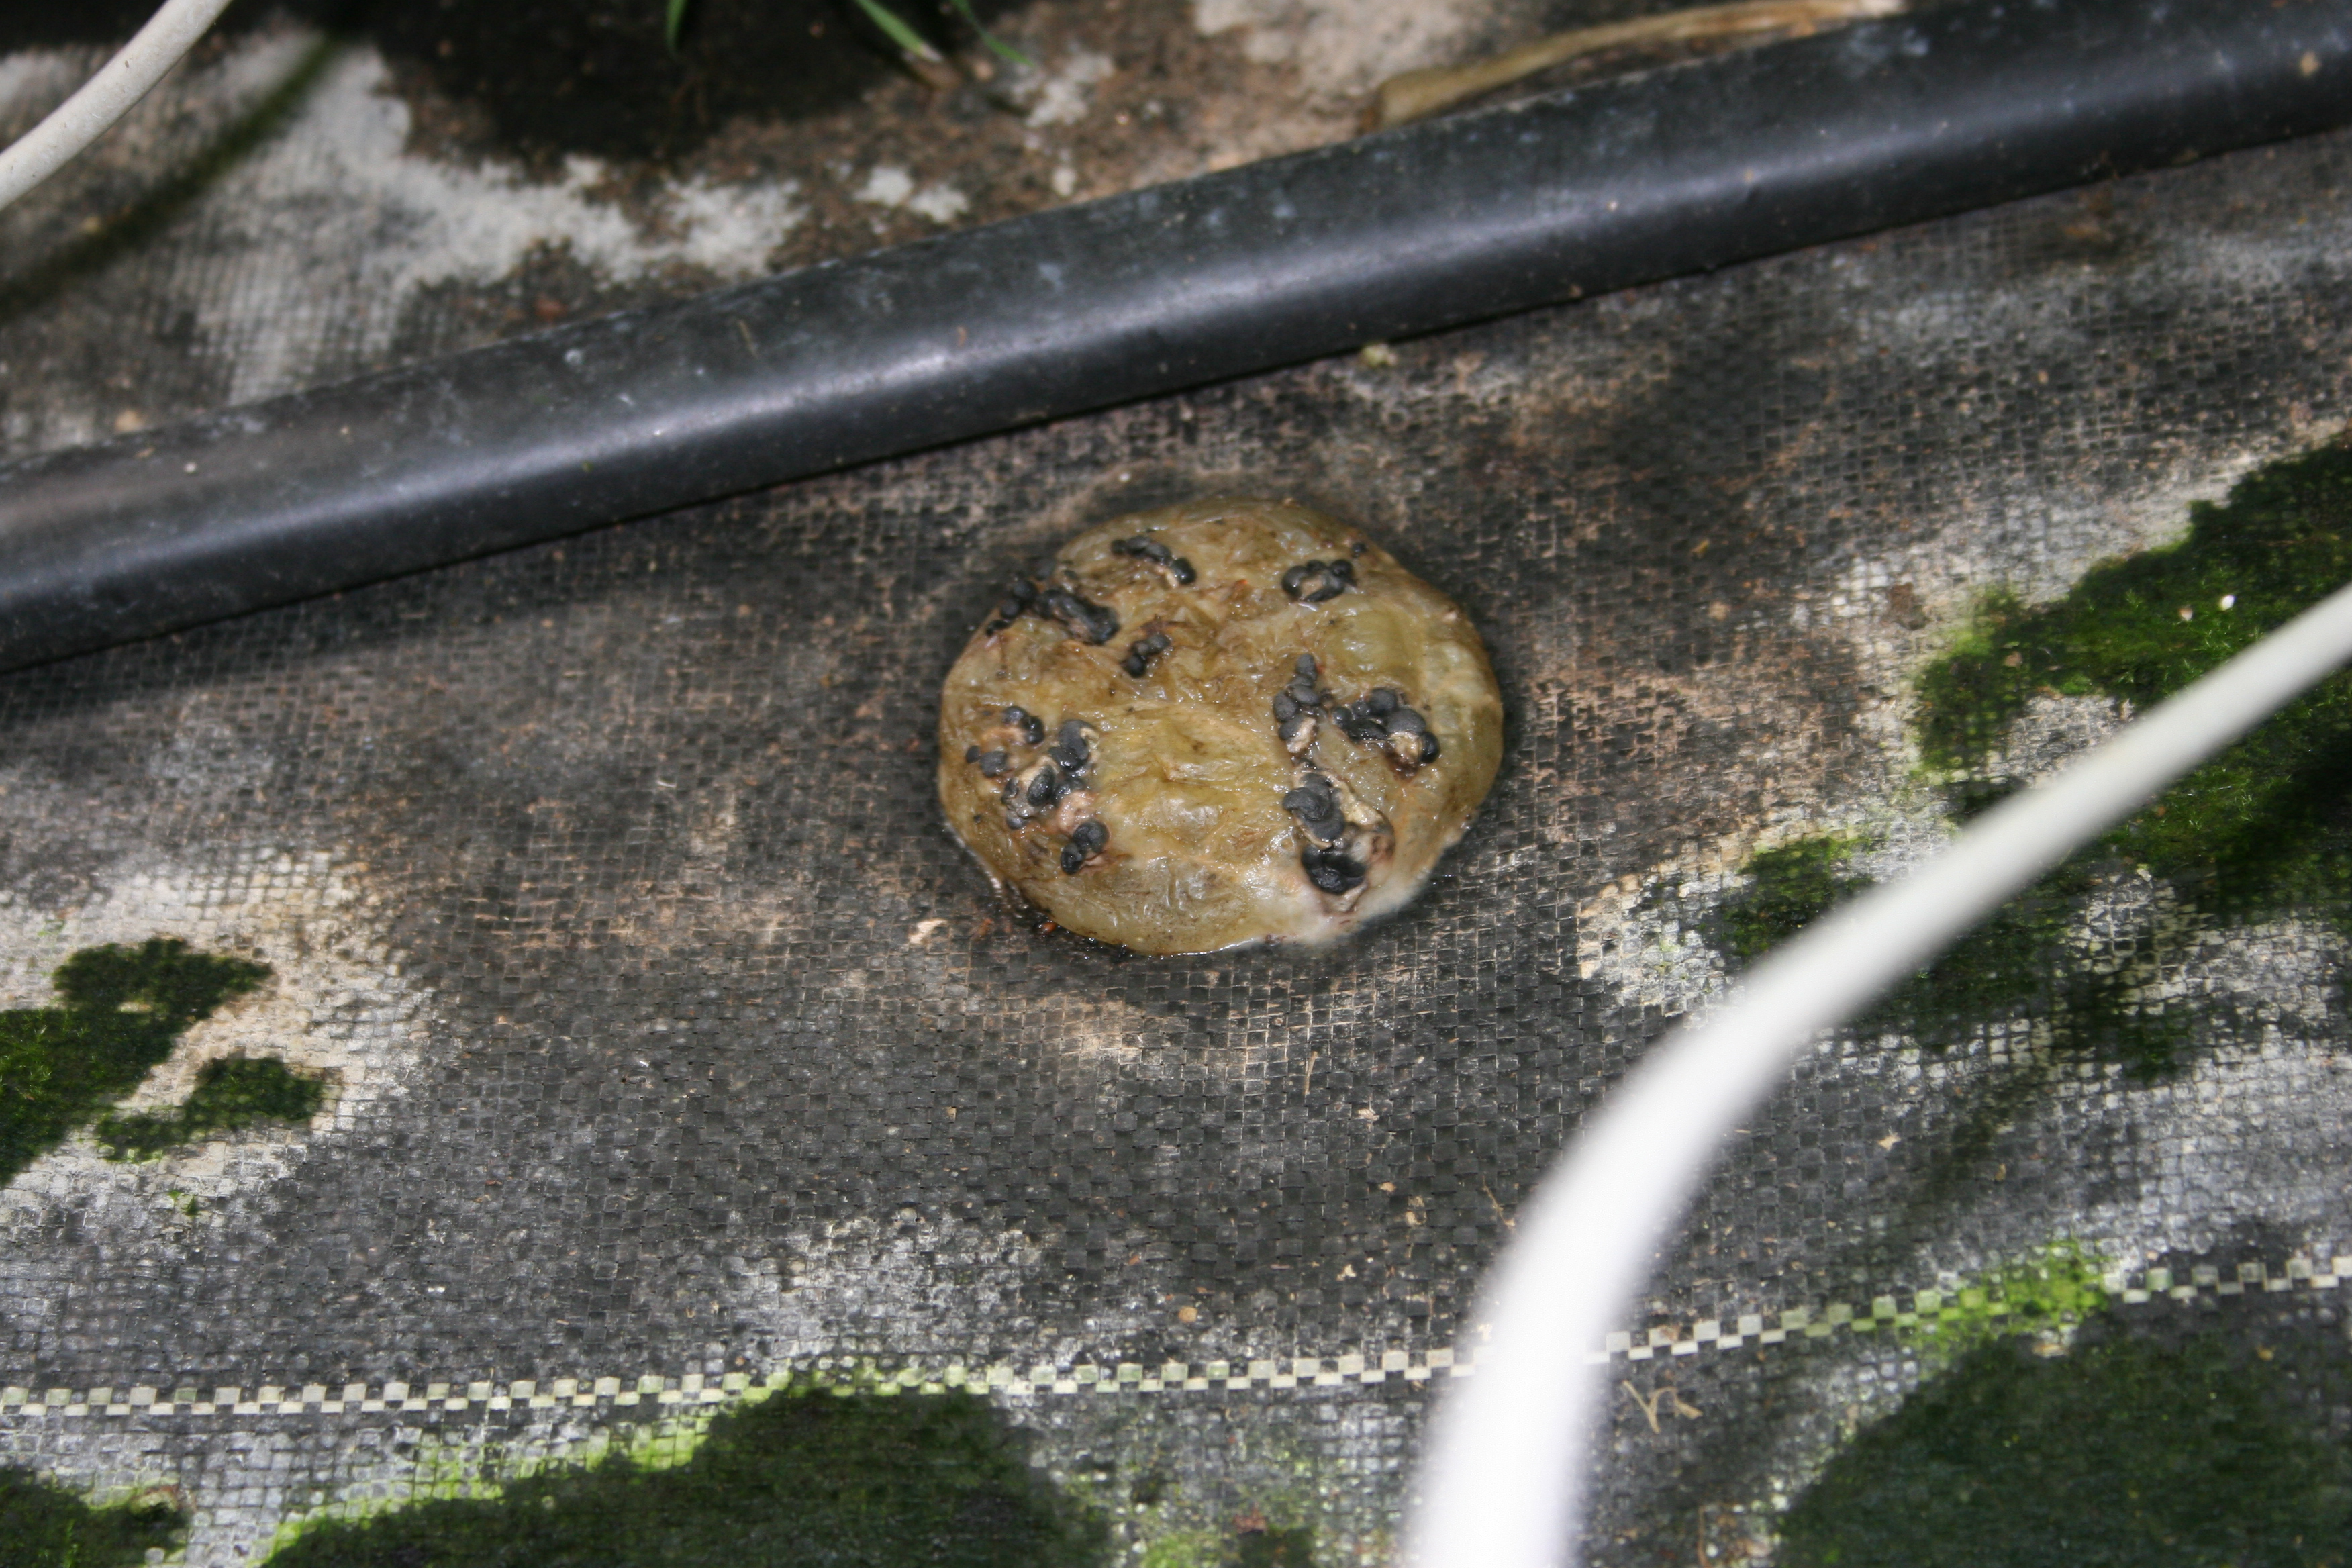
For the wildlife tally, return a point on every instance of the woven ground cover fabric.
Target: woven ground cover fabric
(671, 1046)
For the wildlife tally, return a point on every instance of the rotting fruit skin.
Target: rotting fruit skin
(1184, 767)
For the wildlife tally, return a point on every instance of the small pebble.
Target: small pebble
(1044, 787)
(992, 764)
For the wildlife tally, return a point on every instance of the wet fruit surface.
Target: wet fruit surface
(1249, 699)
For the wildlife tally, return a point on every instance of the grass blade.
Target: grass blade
(896, 27)
(1006, 51)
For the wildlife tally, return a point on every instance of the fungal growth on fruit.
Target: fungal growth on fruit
(1291, 732)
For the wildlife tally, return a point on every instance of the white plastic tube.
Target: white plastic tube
(1502, 1482)
(107, 97)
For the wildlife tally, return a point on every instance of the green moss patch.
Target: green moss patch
(2046, 1296)
(2265, 827)
(124, 1009)
(45, 1526)
(1251, 1543)
(2263, 830)
(1275, 1548)
(1792, 886)
(2024, 961)
(234, 1092)
(907, 1481)
(2120, 1452)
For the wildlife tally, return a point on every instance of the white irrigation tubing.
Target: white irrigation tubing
(1502, 1484)
(107, 97)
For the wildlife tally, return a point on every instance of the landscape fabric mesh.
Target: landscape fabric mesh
(667, 1045)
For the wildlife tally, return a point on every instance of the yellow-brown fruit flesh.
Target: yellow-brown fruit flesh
(1189, 771)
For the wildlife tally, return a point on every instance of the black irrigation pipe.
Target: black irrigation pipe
(1405, 231)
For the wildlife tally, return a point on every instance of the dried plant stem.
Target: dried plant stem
(1416, 95)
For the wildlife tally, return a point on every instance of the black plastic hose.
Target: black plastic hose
(1412, 230)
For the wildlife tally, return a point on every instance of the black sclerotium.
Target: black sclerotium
(1296, 705)
(1070, 749)
(1313, 582)
(1325, 859)
(1379, 718)
(1364, 728)
(1086, 841)
(1158, 555)
(1142, 651)
(1020, 596)
(1315, 803)
(1408, 739)
(1331, 868)
(1015, 798)
(1084, 620)
(990, 763)
(1027, 796)
(1032, 728)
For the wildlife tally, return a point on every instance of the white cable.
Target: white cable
(107, 97)
(1502, 1482)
